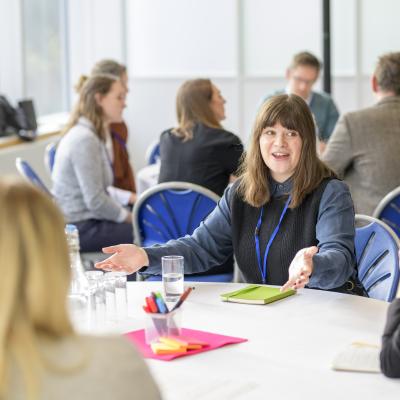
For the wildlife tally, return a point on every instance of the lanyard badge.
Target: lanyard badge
(263, 267)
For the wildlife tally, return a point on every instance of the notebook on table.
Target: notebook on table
(256, 294)
(359, 357)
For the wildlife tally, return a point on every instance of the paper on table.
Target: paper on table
(214, 341)
(360, 357)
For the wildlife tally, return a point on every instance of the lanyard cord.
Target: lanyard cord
(263, 267)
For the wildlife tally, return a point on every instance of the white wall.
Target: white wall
(244, 46)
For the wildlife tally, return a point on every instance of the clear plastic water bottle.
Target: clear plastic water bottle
(79, 282)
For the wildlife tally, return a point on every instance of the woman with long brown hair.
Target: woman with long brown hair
(199, 150)
(83, 168)
(287, 219)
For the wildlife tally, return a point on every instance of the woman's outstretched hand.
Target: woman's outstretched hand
(127, 258)
(300, 268)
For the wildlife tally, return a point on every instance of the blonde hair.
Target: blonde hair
(193, 105)
(293, 113)
(109, 66)
(87, 106)
(34, 281)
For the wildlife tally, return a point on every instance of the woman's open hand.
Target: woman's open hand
(300, 268)
(127, 258)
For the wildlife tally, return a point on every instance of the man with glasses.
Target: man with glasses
(301, 76)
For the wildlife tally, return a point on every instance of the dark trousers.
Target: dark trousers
(95, 234)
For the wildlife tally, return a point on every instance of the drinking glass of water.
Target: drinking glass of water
(172, 276)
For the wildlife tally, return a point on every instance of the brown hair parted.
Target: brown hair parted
(35, 280)
(305, 58)
(293, 113)
(193, 106)
(109, 66)
(87, 106)
(387, 73)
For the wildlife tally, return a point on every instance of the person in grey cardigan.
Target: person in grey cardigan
(83, 176)
(365, 145)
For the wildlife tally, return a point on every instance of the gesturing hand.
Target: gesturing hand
(127, 257)
(300, 268)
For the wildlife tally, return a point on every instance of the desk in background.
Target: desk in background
(290, 346)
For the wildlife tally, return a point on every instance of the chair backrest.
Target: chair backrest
(28, 173)
(170, 210)
(377, 249)
(388, 210)
(152, 155)
(50, 155)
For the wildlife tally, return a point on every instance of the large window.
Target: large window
(44, 54)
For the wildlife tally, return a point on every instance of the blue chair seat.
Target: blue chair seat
(169, 211)
(388, 210)
(377, 257)
(29, 174)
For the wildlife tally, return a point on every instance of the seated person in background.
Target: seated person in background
(301, 77)
(390, 353)
(41, 357)
(199, 150)
(365, 147)
(123, 173)
(287, 219)
(83, 170)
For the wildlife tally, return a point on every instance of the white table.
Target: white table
(147, 177)
(290, 346)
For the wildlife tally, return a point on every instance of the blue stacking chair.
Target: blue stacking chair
(377, 249)
(388, 210)
(50, 155)
(153, 153)
(171, 210)
(29, 174)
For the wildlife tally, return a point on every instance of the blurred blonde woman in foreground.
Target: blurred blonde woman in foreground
(41, 357)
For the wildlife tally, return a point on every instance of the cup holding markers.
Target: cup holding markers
(163, 325)
(173, 277)
(162, 322)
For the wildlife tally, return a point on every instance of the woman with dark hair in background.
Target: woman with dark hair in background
(199, 150)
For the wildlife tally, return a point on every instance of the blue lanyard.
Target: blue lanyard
(263, 268)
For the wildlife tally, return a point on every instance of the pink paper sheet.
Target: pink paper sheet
(214, 340)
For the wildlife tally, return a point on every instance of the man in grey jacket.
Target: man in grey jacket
(364, 148)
